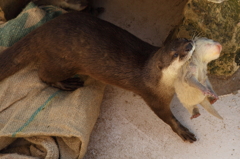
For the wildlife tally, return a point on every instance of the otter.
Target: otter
(78, 43)
(193, 86)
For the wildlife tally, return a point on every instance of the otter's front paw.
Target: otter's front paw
(69, 84)
(185, 134)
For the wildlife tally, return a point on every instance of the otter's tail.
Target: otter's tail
(13, 59)
(208, 106)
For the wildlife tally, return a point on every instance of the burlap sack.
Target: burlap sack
(36, 120)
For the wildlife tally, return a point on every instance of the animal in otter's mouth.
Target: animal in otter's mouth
(78, 43)
(193, 86)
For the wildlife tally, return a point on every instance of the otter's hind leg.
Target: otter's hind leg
(60, 78)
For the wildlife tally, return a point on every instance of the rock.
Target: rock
(218, 20)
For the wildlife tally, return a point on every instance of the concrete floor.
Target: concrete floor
(128, 129)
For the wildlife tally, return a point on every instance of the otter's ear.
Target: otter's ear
(160, 65)
(172, 35)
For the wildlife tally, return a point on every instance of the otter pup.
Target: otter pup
(192, 86)
(78, 43)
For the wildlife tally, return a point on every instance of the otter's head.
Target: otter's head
(176, 52)
(207, 49)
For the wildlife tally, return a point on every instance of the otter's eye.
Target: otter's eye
(189, 47)
(175, 55)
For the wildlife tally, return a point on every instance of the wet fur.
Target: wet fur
(78, 43)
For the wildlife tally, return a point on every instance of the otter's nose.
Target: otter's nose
(189, 47)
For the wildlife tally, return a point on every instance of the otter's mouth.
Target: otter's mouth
(189, 49)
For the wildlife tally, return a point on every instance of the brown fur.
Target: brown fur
(78, 43)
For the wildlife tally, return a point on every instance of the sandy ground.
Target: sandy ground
(128, 129)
